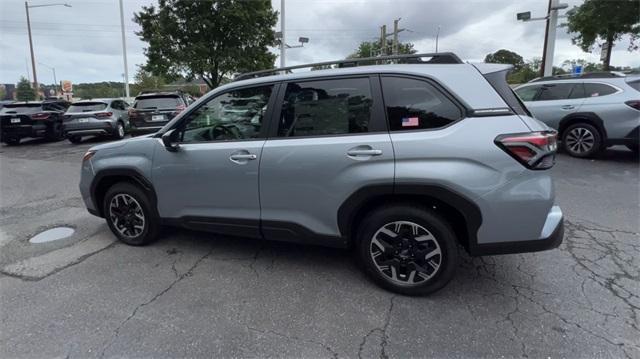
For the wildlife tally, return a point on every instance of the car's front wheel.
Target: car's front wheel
(118, 132)
(75, 139)
(582, 140)
(130, 215)
(407, 249)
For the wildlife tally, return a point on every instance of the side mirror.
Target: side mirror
(169, 140)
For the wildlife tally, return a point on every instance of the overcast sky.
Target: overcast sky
(83, 42)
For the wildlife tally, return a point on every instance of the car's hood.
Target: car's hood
(116, 144)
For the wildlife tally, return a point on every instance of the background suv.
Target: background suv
(32, 119)
(406, 162)
(590, 112)
(153, 110)
(96, 117)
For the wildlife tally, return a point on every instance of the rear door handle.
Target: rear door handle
(242, 157)
(364, 152)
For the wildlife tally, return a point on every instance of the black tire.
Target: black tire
(427, 220)
(12, 141)
(75, 139)
(118, 132)
(582, 140)
(634, 148)
(150, 224)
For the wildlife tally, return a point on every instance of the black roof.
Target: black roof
(151, 93)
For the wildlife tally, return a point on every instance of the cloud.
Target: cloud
(84, 44)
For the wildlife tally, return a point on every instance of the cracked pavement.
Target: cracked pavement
(198, 295)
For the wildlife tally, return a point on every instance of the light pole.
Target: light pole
(437, 36)
(33, 59)
(55, 80)
(124, 52)
(283, 46)
(550, 33)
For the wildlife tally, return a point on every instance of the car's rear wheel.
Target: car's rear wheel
(118, 132)
(130, 215)
(582, 140)
(408, 250)
(75, 139)
(54, 132)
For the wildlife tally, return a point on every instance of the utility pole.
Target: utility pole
(395, 37)
(124, 53)
(283, 45)
(383, 40)
(33, 59)
(437, 36)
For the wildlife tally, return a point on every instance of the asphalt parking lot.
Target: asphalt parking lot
(193, 294)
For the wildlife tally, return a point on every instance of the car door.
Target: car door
(210, 181)
(554, 101)
(328, 139)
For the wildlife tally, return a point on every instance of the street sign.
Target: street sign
(577, 70)
(524, 16)
(604, 51)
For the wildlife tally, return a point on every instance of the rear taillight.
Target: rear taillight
(133, 113)
(535, 150)
(40, 116)
(634, 103)
(103, 114)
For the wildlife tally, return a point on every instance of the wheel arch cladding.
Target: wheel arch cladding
(463, 215)
(585, 117)
(104, 179)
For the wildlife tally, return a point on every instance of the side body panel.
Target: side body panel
(617, 118)
(514, 201)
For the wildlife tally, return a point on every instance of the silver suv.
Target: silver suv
(591, 112)
(404, 161)
(96, 117)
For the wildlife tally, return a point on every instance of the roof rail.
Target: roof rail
(435, 58)
(587, 75)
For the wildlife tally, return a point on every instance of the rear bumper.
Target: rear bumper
(22, 131)
(88, 129)
(551, 237)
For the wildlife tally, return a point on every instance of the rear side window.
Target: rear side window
(326, 107)
(22, 109)
(158, 102)
(634, 84)
(527, 93)
(550, 92)
(498, 80)
(416, 105)
(87, 107)
(597, 90)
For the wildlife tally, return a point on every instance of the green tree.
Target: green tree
(373, 48)
(211, 39)
(506, 57)
(604, 21)
(145, 81)
(24, 92)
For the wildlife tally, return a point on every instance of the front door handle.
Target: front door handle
(242, 157)
(371, 152)
(568, 107)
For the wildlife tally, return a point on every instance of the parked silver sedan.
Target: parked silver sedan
(590, 112)
(96, 117)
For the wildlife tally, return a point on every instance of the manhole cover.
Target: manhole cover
(52, 234)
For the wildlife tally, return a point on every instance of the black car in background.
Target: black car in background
(32, 119)
(152, 110)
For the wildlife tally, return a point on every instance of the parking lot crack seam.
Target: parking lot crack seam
(326, 347)
(186, 274)
(383, 333)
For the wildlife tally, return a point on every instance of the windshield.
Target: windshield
(87, 107)
(157, 102)
(21, 109)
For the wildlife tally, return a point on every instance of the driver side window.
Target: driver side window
(232, 116)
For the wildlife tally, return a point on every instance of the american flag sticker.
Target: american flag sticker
(410, 122)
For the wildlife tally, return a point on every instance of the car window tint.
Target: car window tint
(327, 107)
(235, 115)
(87, 107)
(158, 102)
(414, 105)
(597, 90)
(635, 84)
(21, 109)
(527, 93)
(577, 91)
(550, 92)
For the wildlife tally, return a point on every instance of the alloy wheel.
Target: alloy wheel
(580, 140)
(406, 253)
(127, 215)
(120, 130)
